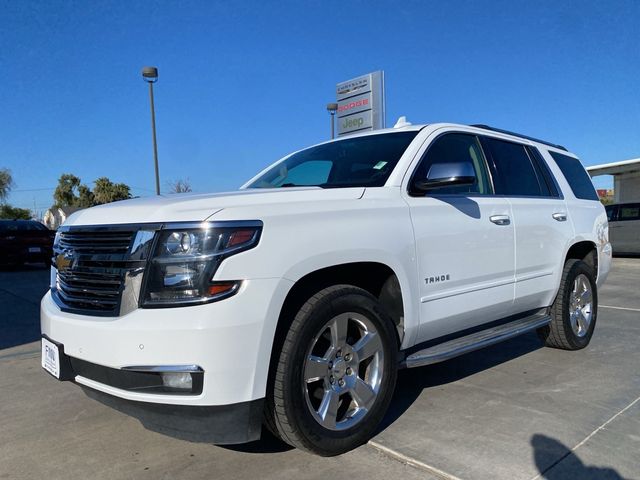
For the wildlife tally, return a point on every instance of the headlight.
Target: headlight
(185, 260)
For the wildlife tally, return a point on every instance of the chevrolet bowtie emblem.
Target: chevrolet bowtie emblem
(64, 260)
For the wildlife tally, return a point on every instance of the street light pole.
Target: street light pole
(150, 75)
(332, 108)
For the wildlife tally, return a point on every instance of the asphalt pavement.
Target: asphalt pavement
(512, 411)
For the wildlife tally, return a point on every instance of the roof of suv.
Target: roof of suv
(526, 137)
(413, 127)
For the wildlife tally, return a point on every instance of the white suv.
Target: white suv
(295, 300)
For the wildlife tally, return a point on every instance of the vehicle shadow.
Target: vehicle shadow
(191, 427)
(412, 382)
(268, 443)
(548, 453)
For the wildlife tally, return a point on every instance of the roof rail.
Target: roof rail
(499, 130)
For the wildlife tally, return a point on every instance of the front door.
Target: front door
(464, 243)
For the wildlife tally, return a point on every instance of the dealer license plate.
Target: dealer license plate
(50, 358)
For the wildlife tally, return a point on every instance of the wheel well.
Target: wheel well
(376, 278)
(585, 251)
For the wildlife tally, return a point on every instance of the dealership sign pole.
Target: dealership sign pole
(361, 103)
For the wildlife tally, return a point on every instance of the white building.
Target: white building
(55, 216)
(626, 178)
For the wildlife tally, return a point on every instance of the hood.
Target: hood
(198, 207)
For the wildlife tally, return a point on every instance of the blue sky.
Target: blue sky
(243, 83)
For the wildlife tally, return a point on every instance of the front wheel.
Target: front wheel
(574, 311)
(336, 372)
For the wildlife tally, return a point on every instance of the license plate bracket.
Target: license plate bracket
(54, 361)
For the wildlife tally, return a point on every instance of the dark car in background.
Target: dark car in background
(23, 241)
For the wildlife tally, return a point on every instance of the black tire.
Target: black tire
(560, 333)
(288, 411)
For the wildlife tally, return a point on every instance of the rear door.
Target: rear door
(540, 216)
(464, 243)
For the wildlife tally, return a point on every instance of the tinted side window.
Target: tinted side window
(630, 211)
(514, 172)
(455, 148)
(545, 176)
(576, 176)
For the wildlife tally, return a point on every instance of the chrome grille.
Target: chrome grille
(92, 265)
(96, 242)
(86, 290)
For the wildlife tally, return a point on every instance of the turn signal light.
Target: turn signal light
(240, 236)
(221, 288)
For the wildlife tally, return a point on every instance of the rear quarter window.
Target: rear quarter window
(576, 176)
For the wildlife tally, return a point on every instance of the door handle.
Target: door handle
(500, 219)
(560, 216)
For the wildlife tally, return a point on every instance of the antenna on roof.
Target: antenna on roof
(402, 122)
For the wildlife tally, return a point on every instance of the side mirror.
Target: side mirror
(447, 175)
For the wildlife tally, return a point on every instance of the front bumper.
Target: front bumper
(230, 340)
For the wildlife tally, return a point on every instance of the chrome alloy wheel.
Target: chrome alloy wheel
(343, 371)
(581, 305)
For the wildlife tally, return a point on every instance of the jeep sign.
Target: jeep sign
(361, 103)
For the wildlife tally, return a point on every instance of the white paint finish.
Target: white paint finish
(449, 233)
(231, 340)
(198, 207)
(541, 245)
(306, 229)
(588, 218)
(300, 238)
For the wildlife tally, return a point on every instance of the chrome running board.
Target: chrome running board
(475, 341)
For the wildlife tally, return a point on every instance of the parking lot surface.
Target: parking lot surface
(512, 411)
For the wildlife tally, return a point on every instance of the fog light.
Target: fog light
(177, 380)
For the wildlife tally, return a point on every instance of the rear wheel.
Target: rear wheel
(574, 311)
(336, 372)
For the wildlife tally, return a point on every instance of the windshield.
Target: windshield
(352, 162)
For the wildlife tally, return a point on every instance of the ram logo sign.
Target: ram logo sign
(361, 103)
